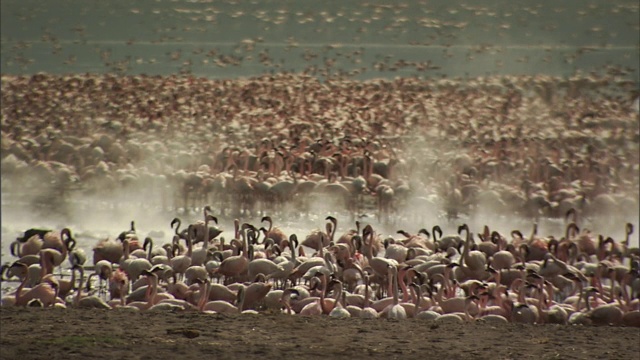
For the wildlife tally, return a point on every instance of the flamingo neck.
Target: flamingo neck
(328, 263)
(601, 254)
(292, 247)
(465, 252)
(149, 251)
(73, 279)
(403, 286)
(288, 306)
(369, 245)
(625, 292)
(521, 298)
(446, 283)
(22, 285)
(534, 232)
(245, 245)
(241, 295)
(394, 282)
(127, 250)
(439, 295)
(147, 294)
(580, 295)
(466, 310)
(366, 293)
(189, 246)
(338, 296)
(324, 289)
(498, 296)
(539, 305)
(597, 280)
(550, 294)
(177, 231)
(415, 296)
(122, 297)
(78, 296)
(154, 290)
(204, 295)
(44, 265)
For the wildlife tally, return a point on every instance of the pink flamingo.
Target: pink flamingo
(46, 292)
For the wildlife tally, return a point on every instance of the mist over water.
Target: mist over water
(91, 223)
(104, 214)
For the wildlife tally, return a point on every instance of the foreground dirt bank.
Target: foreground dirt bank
(81, 334)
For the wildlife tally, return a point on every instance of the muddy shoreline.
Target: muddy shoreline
(79, 334)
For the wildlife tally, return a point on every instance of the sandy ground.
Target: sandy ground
(92, 334)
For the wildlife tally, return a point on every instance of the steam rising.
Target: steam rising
(442, 134)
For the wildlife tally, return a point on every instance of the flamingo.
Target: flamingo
(608, 314)
(128, 233)
(180, 263)
(419, 312)
(198, 256)
(501, 259)
(338, 310)
(556, 314)
(53, 241)
(367, 311)
(46, 292)
(76, 255)
(29, 233)
(285, 300)
(318, 239)
(317, 306)
(237, 265)
(152, 297)
(31, 246)
(109, 250)
(46, 268)
(395, 310)
(220, 306)
(272, 232)
(445, 242)
(472, 262)
(92, 301)
(118, 285)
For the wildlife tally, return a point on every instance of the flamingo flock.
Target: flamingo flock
(430, 152)
(577, 278)
(534, 146)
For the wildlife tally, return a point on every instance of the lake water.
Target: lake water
(227, 39)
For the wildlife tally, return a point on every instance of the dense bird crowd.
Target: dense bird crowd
(572, 278)
(530, 145)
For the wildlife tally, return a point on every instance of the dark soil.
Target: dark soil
(91, 334)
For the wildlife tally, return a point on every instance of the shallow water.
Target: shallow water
(370, 37)
(97, 225)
